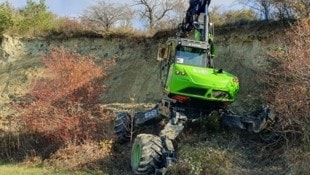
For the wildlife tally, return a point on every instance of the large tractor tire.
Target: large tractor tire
(146, 154)
(122, 127)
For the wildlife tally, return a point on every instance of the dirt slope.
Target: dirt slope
(136, 75)
(135, 72)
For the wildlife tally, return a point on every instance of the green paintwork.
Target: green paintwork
(197, 35)
(136, 155)
(200, 82)
(190, 76)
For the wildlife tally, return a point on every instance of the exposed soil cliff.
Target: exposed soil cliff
(136, 75)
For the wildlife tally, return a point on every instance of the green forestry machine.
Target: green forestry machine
(193, 89)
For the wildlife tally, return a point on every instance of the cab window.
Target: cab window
(191, 56)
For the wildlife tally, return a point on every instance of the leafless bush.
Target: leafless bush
(289, 81)
(65, 105)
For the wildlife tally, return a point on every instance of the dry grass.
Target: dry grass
(19, 169)
(299, 161)
(81, 157)
(202, 159)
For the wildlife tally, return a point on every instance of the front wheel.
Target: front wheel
(146, 154)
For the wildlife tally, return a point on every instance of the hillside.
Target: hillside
(136, 73)
(241, 50)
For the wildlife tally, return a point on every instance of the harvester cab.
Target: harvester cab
(186, 71)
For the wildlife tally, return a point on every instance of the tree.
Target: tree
(238, 16)
(262, 6)
(6, 13)
(301, 7)
(219, 17)
(282, 10)
(289, 9)
(156, 11)
(35, 16)
(215, 15)
(179, 11)
(106, 15)
(33, 9)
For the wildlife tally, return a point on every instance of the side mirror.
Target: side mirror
(161, 54)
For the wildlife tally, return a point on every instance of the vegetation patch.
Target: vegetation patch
(64, 105)
(288, 80)
(203, 159)
(61, 109)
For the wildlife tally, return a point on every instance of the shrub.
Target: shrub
(69, 26)
(65, 104)
(34, 18)
(289, 81)
(6, 17)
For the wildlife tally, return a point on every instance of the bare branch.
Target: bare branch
(158, 11)
(107, 15)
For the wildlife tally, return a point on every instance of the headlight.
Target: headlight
(177, 72)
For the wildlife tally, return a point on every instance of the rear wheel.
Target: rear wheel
(146, 154)
(122, 127)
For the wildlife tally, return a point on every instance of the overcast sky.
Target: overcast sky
(74, 8)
